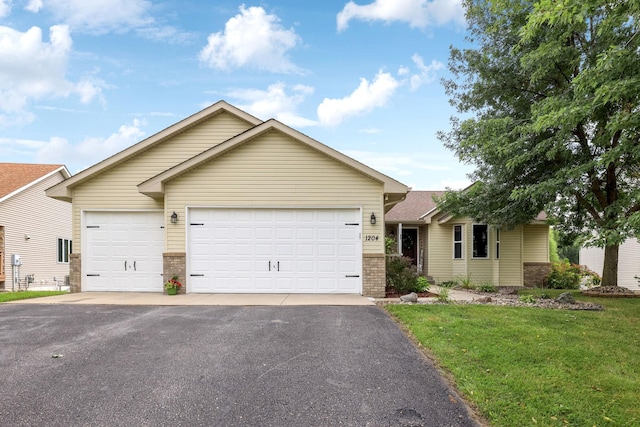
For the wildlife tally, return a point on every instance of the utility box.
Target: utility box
(15, 260)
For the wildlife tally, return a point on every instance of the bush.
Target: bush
(465, 281)
(422, 284)
(402, 276)
(527, 298)
(448, 284)
(486, 287)
(564, 276)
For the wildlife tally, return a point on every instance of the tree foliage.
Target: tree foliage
(550, 93)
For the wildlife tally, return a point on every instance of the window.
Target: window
(480, 240)
(64, 249)
(497, 243)
(457, 242)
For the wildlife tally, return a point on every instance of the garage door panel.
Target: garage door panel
(123, 251)
(273, 250)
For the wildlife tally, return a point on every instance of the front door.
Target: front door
(410, 244)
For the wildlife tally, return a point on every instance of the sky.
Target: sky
(82, 80)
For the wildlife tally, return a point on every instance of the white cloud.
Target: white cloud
(97, 16)
(275, 102)
(417, 13)
(397, 164)
(34, 6)
(366, 97)
(32, 69)
(5, 8)
(91, 150)
(252, 38)
(426, 73)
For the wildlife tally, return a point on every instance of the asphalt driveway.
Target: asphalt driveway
(215, 366)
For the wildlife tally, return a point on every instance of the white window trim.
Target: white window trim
(461, 241)
(68, 247)
(488, 241)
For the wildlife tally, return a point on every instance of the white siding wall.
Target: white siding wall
(117, 188)
(628, 262)
(43, 219)
(274, 171)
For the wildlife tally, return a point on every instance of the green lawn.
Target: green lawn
(14, 296)
(523, 366)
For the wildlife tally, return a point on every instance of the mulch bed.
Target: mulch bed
(611, 292)
(393, 294)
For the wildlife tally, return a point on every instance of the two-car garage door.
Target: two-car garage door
(274, 250)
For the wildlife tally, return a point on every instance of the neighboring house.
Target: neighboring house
(229, 204)
(446, 248)
(33, 227)
(628, 262)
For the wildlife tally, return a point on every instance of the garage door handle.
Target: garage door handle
(125, 265)
(352, 275)
(278, 265)
(269, 265)
(196, 275)
(93, 275)
(134, 266)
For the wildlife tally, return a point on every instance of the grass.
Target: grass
(15, 296)
(522, 366)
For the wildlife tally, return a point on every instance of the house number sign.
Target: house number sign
(371, 237)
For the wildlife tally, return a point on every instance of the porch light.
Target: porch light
(174, 217)
(373, 218)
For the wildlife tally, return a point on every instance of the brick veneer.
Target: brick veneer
(175, 264)
(75, 273)
(373, 280)
(535, 272)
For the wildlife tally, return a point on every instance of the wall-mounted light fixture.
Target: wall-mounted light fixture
(373, 218)
(174, 217)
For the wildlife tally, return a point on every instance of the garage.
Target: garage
(124, 251)
(274, 250)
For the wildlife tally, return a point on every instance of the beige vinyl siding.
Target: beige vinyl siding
(628, 262)
(440, 261)
(43, 219)
(117, 188)
(511, 257)
(536, 248)
(275, 171)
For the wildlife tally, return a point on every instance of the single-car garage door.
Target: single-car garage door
(274, 250)
(122, 251)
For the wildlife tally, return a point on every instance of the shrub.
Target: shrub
(449, 284)
(465, 282)
(390, 245)
(528, 298)
(486, 287)
(443, 295)
(402, 276)
(422, 285)
(564, 276)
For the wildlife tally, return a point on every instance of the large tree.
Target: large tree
(549, 96)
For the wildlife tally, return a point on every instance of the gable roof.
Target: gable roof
(17, 177)
(413, 208)
(154, 187)
(62, 191)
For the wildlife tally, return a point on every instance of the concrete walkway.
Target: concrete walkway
(152, 298)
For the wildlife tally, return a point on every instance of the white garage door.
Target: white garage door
(275, 251)
(123, 251)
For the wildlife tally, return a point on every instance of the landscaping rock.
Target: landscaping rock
(412, 297)
(566, 298)
(483, 299)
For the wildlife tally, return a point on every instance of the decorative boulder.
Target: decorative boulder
(483, 299)
(566, 298)
(412, 297)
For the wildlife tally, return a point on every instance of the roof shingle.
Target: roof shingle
(14, 176)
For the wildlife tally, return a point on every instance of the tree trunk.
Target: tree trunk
(610, 268)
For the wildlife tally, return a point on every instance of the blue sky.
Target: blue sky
(81, 80)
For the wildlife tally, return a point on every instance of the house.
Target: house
(628, 262)
(446, 248)
(35, 230)
(229, 203)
